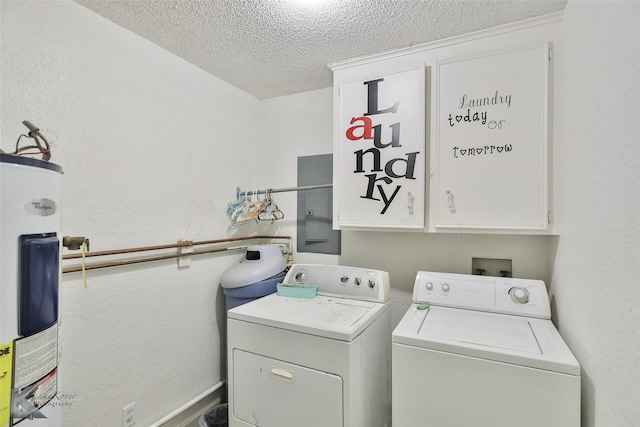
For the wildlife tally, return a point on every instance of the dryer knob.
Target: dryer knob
(344, 279)
(357, 281)
(519, 295)
(445, 287)
(300, 276)
(372, 283)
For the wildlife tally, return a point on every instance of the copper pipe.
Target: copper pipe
(96, 266)
(169, 246)
(187, 243)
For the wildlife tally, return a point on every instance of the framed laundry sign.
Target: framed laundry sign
(491, 161)
(380, 150)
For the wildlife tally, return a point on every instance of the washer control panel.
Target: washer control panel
(505, 295)
(347, 282)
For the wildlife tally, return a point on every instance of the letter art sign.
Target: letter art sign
(381, 150)
(491, 139)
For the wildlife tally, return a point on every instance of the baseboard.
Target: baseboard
(189, 415)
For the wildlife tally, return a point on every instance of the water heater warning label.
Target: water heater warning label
(35, 373)
(36, 356)
(6, 356)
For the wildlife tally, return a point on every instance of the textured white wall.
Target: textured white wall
(596, 269)
(294, 126)
(152, 149)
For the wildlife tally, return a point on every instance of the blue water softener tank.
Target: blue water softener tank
(255, 276)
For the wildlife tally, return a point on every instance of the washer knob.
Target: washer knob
(344, 279)
(372, 283)
(357, 281)
(446, 287)
(429, 286)
(519, 295)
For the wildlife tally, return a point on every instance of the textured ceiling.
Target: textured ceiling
(270, 48)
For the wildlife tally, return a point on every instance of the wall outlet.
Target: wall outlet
(129, 415)
(491, 267)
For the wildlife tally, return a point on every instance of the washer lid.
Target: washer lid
(337, 318)
(472, 327)
(504, 338)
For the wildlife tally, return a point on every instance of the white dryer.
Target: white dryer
(482, 351)
(323, 361)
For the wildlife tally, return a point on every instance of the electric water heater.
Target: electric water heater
(30, 275)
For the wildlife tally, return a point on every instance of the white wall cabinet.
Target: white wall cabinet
(480, 104)
(490, 155)
(379, 150)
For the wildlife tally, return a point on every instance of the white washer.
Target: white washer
(322, 362)
(484, 353)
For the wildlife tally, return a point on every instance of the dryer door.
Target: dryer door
(272, 393)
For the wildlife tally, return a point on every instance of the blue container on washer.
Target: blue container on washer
(255, 276)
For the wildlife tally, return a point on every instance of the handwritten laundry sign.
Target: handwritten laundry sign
(381, 149)
(491, 137)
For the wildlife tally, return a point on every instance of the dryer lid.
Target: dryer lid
(337, 318)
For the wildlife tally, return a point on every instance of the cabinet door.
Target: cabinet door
(490, 160)
(379, 150)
